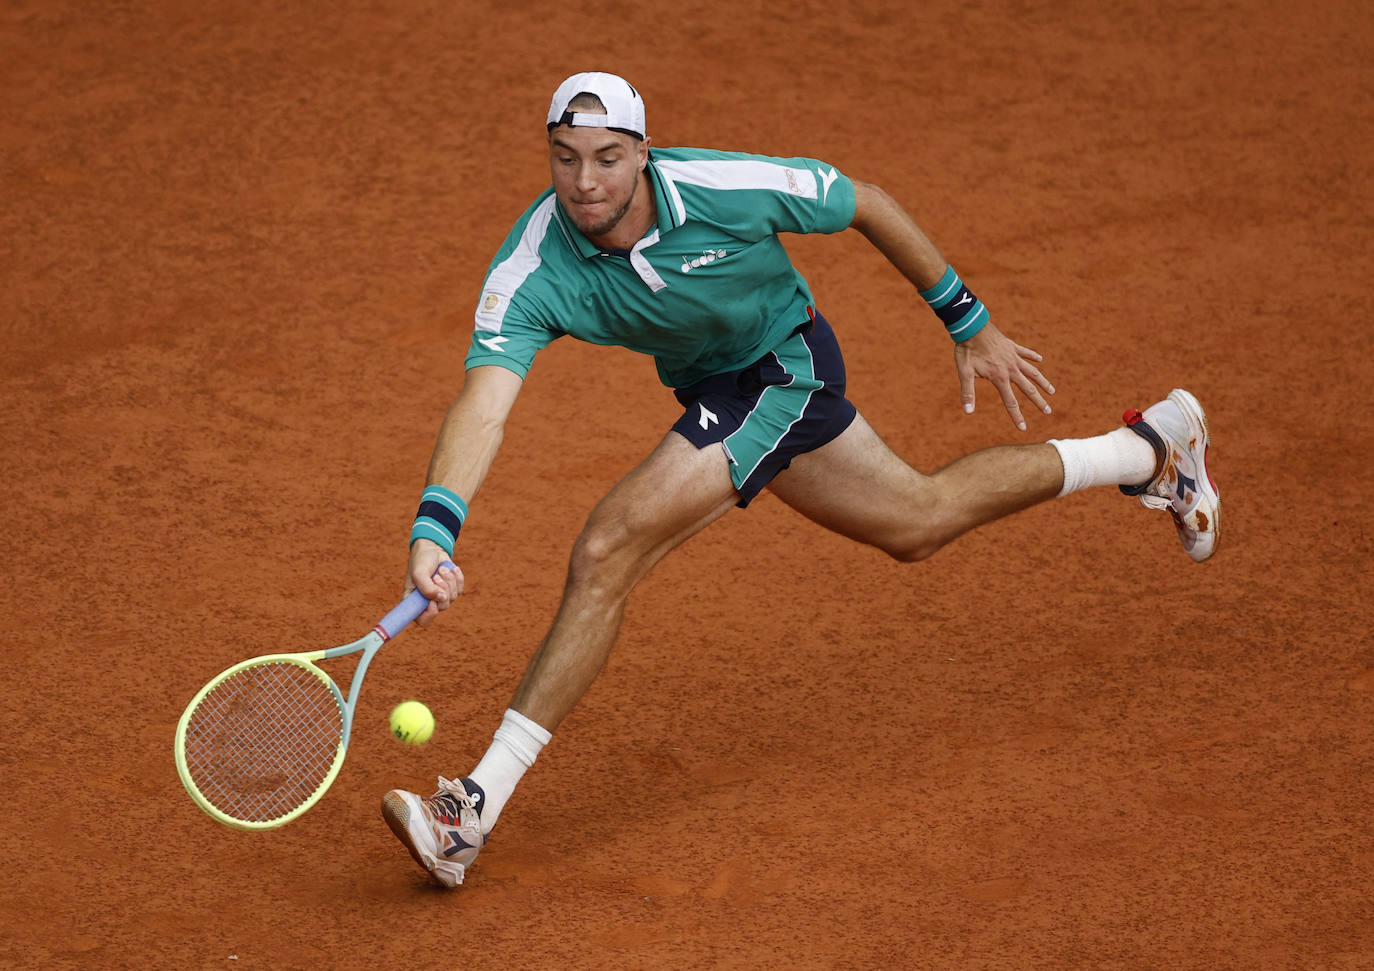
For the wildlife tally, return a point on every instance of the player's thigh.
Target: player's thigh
(858, 487)
(675, 492)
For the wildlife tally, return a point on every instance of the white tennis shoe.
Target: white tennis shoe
(442, 832)
(1177, 429)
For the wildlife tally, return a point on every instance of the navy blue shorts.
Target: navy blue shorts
(788, 402)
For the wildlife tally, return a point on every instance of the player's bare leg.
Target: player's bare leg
(856, 486)
(676, 492)
(673, 494)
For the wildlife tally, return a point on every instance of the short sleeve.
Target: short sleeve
(513, 343)
(510, 325)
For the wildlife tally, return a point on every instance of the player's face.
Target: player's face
(595, 174)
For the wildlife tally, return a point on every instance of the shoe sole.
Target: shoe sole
(396, 812)
(1209, 521)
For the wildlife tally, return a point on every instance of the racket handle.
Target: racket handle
(405, 612)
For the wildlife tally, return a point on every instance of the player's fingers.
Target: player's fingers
(1029, 354)
(966, 379)
(451, 583)
(1012, 405)
(1040, 379)
(1030, 381)
(427, 618)
(1032, 393)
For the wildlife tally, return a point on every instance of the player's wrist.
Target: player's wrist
(441, 515)
(962, 313)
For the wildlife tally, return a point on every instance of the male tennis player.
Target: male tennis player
(674, 252)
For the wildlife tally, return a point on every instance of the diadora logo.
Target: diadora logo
(707, 256)
(459, 844)
(828, 177)
(493, 343)
(966, 298)
(707, 417)
(1186, 486)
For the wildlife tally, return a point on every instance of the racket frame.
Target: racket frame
(392, 624)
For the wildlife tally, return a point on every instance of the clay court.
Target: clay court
(240, 247)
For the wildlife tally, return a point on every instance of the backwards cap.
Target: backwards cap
(624, 106)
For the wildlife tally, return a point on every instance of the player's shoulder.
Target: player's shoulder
(683, 153)
(526, 238)
(539, 212)
(725, 169)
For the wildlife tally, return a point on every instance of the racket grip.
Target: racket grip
(404, 613)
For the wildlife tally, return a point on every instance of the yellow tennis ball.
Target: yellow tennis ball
(412, 723)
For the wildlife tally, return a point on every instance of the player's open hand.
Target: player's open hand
(441, 584)
(992, 355)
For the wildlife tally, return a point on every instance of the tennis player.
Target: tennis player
(675, 253)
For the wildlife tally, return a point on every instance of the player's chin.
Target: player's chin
(594, 227)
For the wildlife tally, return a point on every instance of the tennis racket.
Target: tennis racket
(262, 742)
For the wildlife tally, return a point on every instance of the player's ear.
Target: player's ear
(644, 144)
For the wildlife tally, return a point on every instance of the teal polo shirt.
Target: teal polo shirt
(709, 289)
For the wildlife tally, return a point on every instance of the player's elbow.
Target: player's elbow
(871, 204)
(912, 551)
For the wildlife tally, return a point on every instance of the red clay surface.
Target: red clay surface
(239, 249)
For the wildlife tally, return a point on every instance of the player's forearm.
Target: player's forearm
(466, 447)
(472, 432)
(893, 232)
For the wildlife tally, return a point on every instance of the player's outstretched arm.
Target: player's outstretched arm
(989, 353)
(468, 441)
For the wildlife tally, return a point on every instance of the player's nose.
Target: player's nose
(586, 178)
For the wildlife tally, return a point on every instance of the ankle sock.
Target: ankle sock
(514, 747)
(1120, 457)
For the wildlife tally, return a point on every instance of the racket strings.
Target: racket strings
(262, 741)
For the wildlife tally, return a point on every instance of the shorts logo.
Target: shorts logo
(707, 417)
(492, 302)
(707, 256)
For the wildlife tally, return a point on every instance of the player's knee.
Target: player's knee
(911, 546)
(600, 554)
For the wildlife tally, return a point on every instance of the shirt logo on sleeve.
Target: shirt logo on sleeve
(492, 302)
(828, 177)
(493, 343)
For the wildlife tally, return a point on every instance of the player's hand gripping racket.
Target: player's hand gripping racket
(263, 741)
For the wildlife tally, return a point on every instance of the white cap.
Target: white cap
(624, 106)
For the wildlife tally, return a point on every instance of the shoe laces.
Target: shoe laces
(451, 798)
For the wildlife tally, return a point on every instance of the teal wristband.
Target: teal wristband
(959, 310)
(441, 515)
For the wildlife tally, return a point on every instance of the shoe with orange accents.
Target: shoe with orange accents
(443, 832)
(1177, 429)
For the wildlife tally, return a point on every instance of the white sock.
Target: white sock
(514, 747)
(1120, 457)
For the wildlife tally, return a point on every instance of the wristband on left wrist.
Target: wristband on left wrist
(959, 310)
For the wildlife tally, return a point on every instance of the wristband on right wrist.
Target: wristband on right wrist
(959, 310)
(441, 514)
